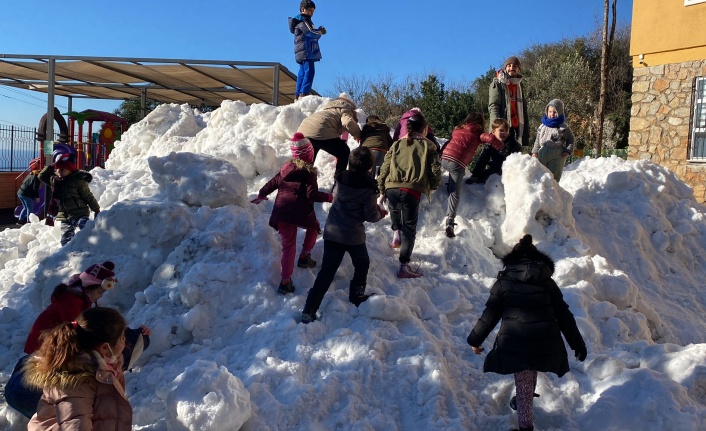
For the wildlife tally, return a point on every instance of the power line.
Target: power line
(15, 124)
(30, 103)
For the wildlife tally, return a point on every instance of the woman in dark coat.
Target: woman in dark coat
(534, 316)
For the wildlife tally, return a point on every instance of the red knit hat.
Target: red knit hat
(65, 161)
(99, 273)
(301, 148)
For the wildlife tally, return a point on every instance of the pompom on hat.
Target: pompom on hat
(301, 148)
(65, 161)
(99, 274)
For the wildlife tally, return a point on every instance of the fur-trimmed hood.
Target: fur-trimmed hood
(73, 374)
(294, 168)
(528, 265)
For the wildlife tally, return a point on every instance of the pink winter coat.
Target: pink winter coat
(85, 395)
(297, 191)
(464, 143)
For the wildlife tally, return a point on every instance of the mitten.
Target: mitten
(96, 212)
(322, 30)
(329, 199)
(258, 199)
(581, 353)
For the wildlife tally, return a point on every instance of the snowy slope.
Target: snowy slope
(199, 265)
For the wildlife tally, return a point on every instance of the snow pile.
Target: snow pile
(199, 265)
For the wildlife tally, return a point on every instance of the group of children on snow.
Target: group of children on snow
(408, 167)
(72, 376)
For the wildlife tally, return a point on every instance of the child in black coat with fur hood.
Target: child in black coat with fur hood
(534, 316)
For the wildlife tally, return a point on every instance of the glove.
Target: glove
(581, 353)
(96, 212)
(330, 198)
(322, 30)
(258, 199)
(49, 221)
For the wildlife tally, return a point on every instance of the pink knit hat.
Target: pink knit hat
(99, 273)
(301, 148)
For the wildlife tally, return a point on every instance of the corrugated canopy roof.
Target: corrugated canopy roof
(194, 82)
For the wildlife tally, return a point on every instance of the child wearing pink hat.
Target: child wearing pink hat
(297, 191)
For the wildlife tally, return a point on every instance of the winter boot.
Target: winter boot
(450, 228)
(306, 262)
(357, 294)
(308, 318)
(473, 180)
(406, 271)
(396, 241)
(285, 287)
(513, 401)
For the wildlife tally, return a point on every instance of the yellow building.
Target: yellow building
(668, 118)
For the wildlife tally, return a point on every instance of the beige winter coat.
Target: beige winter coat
(85, 395)
(329, 123)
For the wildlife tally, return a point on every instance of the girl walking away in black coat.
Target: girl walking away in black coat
(534, 315)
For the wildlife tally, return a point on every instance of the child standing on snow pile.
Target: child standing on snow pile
(458, 154)
(555, 140)
(411, 168)
(376, 137)
(29, 192)
(297, 191)
(354, 202)
(324, 129)
(306, 46)
(71, 196)
(534, 317)
(78, 367)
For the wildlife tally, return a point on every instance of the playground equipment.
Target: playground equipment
(90, 153)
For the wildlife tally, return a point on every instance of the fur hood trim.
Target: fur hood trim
(301, 164)
(82, 370)
(533, 254)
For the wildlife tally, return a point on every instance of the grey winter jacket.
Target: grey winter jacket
(561, 136)
(354, 202)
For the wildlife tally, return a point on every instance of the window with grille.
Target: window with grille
(698, 122)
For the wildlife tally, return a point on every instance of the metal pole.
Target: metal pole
(12, 144)
(275, 87)
(50, 129)
(143, 104)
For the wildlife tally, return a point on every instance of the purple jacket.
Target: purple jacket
(297, 192)
(401, 129)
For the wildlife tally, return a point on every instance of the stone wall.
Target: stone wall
(659, 124)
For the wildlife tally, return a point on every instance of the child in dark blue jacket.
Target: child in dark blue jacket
(306, 46)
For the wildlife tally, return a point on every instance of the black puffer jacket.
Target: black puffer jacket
(354, 202)
(534, 315)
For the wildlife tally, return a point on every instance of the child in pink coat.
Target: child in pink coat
(297, 191)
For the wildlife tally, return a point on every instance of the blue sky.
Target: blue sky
(459, 39)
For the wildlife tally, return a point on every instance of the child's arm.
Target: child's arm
(313, 193)
(351, 124)
(271, 186)
(433, 167)
(489, 138)
(46, 174)
(489, 319)
(384, 172)
(85, 193)
(537, 144)
(569, 139)
(371, 211)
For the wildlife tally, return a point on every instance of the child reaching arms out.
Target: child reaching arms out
(294, 207)
(78, 367)
(458, 153)
(555, 140)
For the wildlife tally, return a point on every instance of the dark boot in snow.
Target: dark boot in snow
(285, 287)
(306, 262)
(308, 318)
(513, 401)
(357, 294)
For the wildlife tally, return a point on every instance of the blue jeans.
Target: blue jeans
(305, 78)
(27, 207)
(404, 213)
(68, 228)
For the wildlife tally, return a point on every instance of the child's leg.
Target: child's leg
(288, 233)
(408, 233)
(26, 207)
(68, 229)
(378, 158)
(309, 241)
(333, 256)
(525, 382)
(361, 264)
(300, 79)
(81, 222)
(308, 78)
(456, 172)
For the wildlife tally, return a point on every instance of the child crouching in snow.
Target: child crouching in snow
(297, 190)
(354, 202)
(534, 316)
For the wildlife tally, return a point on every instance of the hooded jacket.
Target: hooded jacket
(30, 186)
(412, 163)
(75, 198)
(464, 143)
(376, 135)
(297, 191)
(534, 316)
(329, 123)
(65, 306)
(354, 202)
(84, 395)
(560, 136)
(497, 105)
(306, 39)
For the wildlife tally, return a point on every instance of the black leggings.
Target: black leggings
(336, 147)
